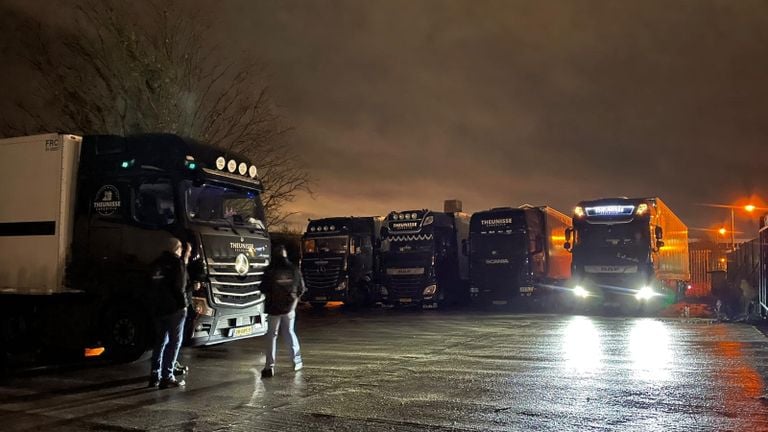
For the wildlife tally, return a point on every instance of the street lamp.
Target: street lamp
(749, 208)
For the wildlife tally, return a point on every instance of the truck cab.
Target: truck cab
(124, 199)
(422, 259)
(340, 260)
(517, 254)
(628, 251)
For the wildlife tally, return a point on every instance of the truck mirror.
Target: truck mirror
(659, 244)
(464, 247)
(568, 233)
(659, 233)
(567, 246)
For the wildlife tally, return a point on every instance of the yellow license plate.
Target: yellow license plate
(405, 300)
(499, 302)
(243, 331)
(321, 298)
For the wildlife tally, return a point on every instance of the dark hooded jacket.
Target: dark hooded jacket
(283, 286)
(169, 285)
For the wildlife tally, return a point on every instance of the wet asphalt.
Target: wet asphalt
(385, 370)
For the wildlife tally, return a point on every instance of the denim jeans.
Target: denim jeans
(169, 331)
(284, 323)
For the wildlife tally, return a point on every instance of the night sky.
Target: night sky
(402, 104)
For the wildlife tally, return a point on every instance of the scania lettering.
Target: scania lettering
(83, 221)
(340, 260)
(628, 252)
(517, 253)
(421, 257)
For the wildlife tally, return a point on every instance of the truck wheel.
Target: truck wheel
(127, 335)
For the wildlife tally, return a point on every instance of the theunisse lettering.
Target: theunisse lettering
(404, 225)
(242, 246)
(492, 222)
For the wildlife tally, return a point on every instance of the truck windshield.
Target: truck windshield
(613, 236)
(506, 245)
(224, 204)
(325, 245)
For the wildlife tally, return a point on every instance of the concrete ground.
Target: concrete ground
(385, 370)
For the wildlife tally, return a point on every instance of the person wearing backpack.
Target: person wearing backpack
(283, 286)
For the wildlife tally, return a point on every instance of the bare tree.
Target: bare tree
(129, 67)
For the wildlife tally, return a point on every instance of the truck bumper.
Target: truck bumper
(228, 324)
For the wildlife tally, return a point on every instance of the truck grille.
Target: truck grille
(410, 286)
(323, 278)
(230, 289)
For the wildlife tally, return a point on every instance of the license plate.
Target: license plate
(526, 289)
(242, 331)
(405, 300)
(499, 302)
(321, 298)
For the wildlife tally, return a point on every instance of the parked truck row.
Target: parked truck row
(616, 252)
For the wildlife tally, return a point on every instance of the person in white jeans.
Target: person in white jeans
(283, 323)
(283, 286)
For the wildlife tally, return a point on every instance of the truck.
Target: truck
(517, 254)
(83, 219)
(628, 253)
(421, 257)
(340, 260)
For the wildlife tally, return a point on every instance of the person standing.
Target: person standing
(170, 307)
(283, 287)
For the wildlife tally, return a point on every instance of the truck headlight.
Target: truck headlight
(430, 291)
(579, 291)
(645, 293)
(342, 286)
(201, 306)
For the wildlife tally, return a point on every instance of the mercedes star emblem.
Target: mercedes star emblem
(241, 265)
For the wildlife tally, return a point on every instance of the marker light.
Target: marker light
(645, 293)
(414, 215)
(125, 164)
(231, 166)
(220, 163)
(333, 227)
(313, 229)
(242, 168)
(192, 165)
(407, 216)
(642, 209)
(579, 291)
(579, 212)
(253, 171)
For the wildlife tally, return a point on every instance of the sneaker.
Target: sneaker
(154, 381)
(268, 372)
(171, 383)
(180, 369)
(298, 366)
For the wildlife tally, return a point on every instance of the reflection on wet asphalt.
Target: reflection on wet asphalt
(387, 370)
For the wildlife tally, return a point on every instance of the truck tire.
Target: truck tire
(127, 334)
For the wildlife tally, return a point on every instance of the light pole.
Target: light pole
(749, 208)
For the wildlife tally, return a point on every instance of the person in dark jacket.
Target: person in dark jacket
(283, 287)
(170, 310)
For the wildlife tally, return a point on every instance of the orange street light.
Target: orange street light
(750, 208)
(722, 231)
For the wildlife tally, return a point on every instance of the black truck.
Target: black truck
(422, 259)
(77, 262)
(517, 254)
(340, 260)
